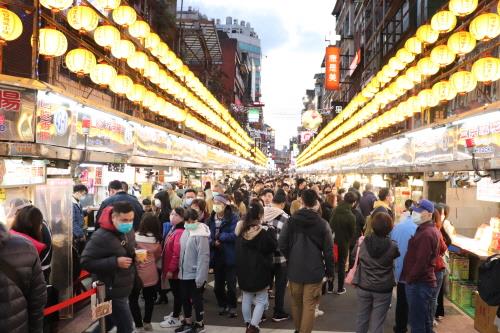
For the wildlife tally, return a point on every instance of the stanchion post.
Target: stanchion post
(101, 296)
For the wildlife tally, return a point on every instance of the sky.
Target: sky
(292, 34)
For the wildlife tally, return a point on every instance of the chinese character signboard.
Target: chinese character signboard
(332, 64)
(17, 106)
(54, 119)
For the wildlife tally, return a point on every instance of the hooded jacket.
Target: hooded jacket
(254, 257)
(21, 313)
(147, 270)
(122, 196)
(100, 257)
(276, 218)
(172, 251)
(39, 246)
(306, 242)
(195, 254)
(343, 224)
(376, 264)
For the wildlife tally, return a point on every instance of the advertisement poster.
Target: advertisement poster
(433, 145)
(488, 191)
(151, 142)
(485, 130)
(18, 172)
(17, 110)
(54, 119)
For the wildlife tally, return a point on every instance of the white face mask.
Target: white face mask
(218, 209)
(416, 218)
(157, 203)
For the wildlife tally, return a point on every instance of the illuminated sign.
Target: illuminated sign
(332, 75)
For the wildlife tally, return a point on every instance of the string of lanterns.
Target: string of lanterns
(373, 97)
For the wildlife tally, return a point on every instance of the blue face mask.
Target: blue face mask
(189, 202)
(190, 226)
(125, 228)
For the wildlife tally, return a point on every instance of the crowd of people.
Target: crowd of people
(258, 237)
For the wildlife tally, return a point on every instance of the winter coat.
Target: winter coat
(254, 257)
(147, 270)
(276, 218)
(378, 207)
(123, 196)
(195, 255)
(78, 217)
(360, 223)
(306, 242)
(366, 203)
(39, 246)
(100, 258)
(343, 224)
(21, 313)
(376, 264)
(225, 253)
(172, 251)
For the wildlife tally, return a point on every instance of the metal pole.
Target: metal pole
(101, 296)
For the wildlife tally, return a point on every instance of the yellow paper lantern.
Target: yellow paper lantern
(405, 56)
(463, 82)
(138, 60)
(80, 61)
(485, 26)
(443, 21)
(389, 72)
(158, 104)
(427, 99)
(11, 26)
(461, 42)
(442, 55)
(56, 5)
(163, 77)
(152, 41)
(103, 74)
(124, 15)
(404, 82)
(486, 69)
(414, 45)
(137, 93)
(414, 75)
(82, 18)
(108, 4)
(121, 85)
(106, 36)
(413, 105)
(395, 64)
(395, 91)
(139, 29)
(427, 67)
(462, 7)
(123, 49)
(444, 91)
(152, 71)
(427, 35)
(51, 42)
(149, 99)
(498, 8)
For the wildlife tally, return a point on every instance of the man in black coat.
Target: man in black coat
(109, 256)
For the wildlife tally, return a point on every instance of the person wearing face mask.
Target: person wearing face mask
(79, 191)
(222, 224)
(109, 256)
(188, 198)
(418, 268)
(383, 205)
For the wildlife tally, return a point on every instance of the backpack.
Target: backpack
(489, 280)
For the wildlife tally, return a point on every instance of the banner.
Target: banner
(332, 64)
(17, 110)
(54, 118)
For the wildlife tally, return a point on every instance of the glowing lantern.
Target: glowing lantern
(442, 55)
(443, 21)
(108, 5)
(389, 72)
(405, 56)
(414, 75)
(158, 105)
(413, 105)
(124, 15)
(163, 79)
(121, 85)
(123, 49)
(106, 36)
(427, 35)
(11, 26)
(80, 61)
(139, 29)
(136, 95)
(404, 82)
(444, 91)
(462, 7)
(498, 8)
(56, 5)
(427, 99)
(463, 82)
(485, 26)
(152, 41)
(138, 60)
(82, 18)
(395, 64)
(51, 43)
(427, 67)
(149, 99)
(152, 71)
(395, 91)
(103, 74)
(486, 69)
(414, 45)
(461, 42)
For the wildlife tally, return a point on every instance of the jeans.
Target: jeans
(305, 297)
(440, 300)
(419, 296)
(343, 253)
(439, 281)
(260, 299)
(149, 294)
(372, 311)
(192, 297)
(280, 281)
(120, 317)
(175, 286)
(225, 276)
(401, 310)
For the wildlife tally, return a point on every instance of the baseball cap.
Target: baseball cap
(423, 205)
(222, 199)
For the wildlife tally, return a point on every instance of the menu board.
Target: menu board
(433, 145)
(17, 172)
(17, 109)
(151, 142)
(485, 130)
(54, 120)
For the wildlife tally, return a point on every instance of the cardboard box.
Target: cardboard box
(485, 317)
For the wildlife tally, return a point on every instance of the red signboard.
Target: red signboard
(332, 64)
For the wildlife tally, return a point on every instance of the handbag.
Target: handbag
(352, 272)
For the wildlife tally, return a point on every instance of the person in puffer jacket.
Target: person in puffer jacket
(193, 270)
(21, 306)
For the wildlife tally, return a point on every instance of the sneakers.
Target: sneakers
(263, 318)
(329, 287)
(252, 329)
(148, 327)
(341, 291)
(185, 328)
(171, 322)
(232, 313)
(223, 311)
(318, 312)
(197, 328)
(278, 317)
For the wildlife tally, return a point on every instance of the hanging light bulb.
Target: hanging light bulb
(103, 74)
(463, 82)
(485, 26)
(80, 61)
(106, 36)
(123, 49)
(121, 85)
(442, 55)
(11, 26)
(124, 16)
(56, 5)
(82, 18)
(427, 35)
(443, 21)
(462, 7)
(139, 29)
(486, 70)
(51, 43)
(461, 42)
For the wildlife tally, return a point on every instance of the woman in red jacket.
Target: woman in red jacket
(170, 265)
(440, 265)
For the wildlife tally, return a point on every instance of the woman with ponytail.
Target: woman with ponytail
(255, 246)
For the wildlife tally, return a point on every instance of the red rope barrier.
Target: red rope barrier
(68, 302)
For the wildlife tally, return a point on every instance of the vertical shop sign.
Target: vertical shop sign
(54, 119)
(17, 109)
(332, 64)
